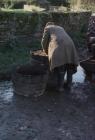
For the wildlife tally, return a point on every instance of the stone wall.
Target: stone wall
(26, 28)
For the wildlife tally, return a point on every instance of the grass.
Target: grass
(28, 10)
(14, 10)
(34, 8)
(12, 56)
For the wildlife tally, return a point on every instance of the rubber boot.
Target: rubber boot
(69, 80)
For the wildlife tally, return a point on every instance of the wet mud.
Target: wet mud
(53, 116)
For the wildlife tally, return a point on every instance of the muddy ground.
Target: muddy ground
(52, 116)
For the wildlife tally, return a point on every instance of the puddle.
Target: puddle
(79, 76)
(6, 91)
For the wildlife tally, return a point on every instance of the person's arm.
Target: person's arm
(45, 40)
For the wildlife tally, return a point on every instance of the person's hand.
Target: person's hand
(45, 52)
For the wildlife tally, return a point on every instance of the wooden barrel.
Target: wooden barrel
(89, 67)
(39, 56)
(30, 79)
(88, 64)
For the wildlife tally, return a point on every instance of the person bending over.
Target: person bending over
(61, 51)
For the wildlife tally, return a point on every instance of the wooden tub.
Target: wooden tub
(30, 79)
(89, 67)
